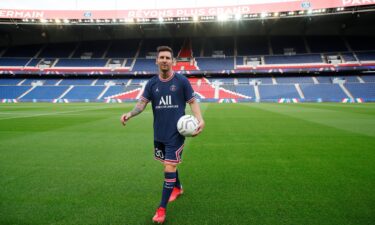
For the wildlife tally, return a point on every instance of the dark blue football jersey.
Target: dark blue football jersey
(168, 98)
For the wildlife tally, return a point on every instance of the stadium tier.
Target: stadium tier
(246, 89)
(241, 54)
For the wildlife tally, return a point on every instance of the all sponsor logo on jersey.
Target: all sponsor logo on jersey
(165, 102)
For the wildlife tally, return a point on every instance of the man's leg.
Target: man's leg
(178, 184)
(177, 190)
(169, 183)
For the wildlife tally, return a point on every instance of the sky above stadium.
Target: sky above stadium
(124, 4)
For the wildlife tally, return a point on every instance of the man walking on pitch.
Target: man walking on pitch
(168, 93)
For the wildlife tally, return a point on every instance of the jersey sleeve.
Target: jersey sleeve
(146, 95)
(188, 92)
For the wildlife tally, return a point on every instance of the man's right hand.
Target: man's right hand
(125, 117)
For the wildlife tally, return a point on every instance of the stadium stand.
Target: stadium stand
(22, 51)
(84, 92)
(293, 59)
(145, 65)
(81, 63)
(349, 57)
(366, 56)
(45, 92)
(320, 88)
(247, 46)
(322, 44)
(216, 55)
(365, 91)
(368, 78)
(123, 49)
(215, 64)
(92, 49)
(326, 92)
(288, 45)
(58, 50)
(76, 82)
(10, 81)
(294, 80)
(272, 92)
(223, 46)
(40, 81)
(13, 61)
(361, 43)
(12, 92)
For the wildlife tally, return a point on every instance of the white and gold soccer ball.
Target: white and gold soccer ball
(187, 125)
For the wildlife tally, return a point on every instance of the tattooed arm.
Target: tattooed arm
(139, 107)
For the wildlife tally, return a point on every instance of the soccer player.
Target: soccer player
(168, 92)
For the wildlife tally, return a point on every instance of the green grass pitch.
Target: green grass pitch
(254, 164)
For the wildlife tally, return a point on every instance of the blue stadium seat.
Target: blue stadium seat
(293, 59)
(58, 50)
(46, 92)
(365, 91)
(274, 92)
(215, 64)
(81, 63)
(12, 92)
(294, 80)
(76, 82)
(145, 65)
(84, 92)
(327, 92)
(13, 61)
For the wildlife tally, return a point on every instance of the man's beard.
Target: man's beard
(164, 69)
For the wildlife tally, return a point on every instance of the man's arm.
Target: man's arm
(197, 113)
(139, 107)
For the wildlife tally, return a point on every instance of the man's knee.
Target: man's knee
(169, 167)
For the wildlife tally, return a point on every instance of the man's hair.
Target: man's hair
(164, 49)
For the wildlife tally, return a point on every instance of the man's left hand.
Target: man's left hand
(200, 128)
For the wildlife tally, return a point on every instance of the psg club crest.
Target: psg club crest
(173, 88)
(306, 5)
(87, 14)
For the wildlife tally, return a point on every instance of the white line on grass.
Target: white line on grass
(55, 113)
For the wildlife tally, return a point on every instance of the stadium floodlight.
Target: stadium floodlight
(43, 20)
(309, 12)
(291, 13)
(263, 15)
(222, 17)
(276, 14)
(238, 16)
(161, 19)
(195, 18)
(129, 20)
(58, 21)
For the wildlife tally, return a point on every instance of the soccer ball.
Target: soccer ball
(187, 125)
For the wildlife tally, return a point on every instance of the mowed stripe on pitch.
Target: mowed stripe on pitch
(350, 121)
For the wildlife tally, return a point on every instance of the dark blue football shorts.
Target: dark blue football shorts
(170, 152)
